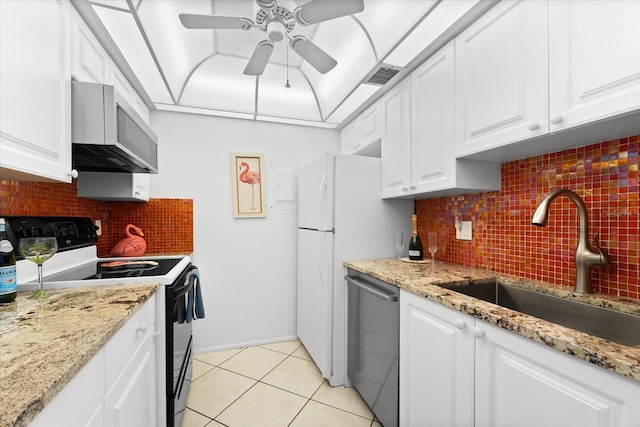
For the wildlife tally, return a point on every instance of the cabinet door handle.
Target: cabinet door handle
(556, 118)
(460, 324)
(142, 328)
(73, 173)
(533, 126)
(157, 334)
(413, 187)
(405, 189)
(478, 333)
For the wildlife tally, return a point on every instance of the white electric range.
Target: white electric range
(76, 264)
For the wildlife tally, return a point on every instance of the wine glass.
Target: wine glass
(433, 246)
(399, 243)
(38, 250)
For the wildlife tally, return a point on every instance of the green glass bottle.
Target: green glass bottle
(415, 243)
(8, 278)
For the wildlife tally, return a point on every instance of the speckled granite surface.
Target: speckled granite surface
(427, 280)
(42, 347)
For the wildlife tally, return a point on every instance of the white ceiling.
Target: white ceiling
(201, 71)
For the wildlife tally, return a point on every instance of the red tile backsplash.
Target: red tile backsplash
(167, 223)
(605, 175)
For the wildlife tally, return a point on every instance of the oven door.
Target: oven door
(179, 349)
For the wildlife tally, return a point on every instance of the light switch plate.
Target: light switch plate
(464, 233)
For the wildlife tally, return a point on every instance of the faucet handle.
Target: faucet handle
(604, 258)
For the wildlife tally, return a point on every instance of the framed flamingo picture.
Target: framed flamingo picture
(248, 185)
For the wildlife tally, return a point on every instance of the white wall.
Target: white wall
(247, 266)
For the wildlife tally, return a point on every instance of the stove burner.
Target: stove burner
(163, 267)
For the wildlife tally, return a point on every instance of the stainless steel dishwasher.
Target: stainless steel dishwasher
(373, 335)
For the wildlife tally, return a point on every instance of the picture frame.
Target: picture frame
(248, 176)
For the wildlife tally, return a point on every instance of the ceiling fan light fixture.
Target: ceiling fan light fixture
(275, 31)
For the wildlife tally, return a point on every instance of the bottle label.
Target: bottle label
(6, 246)
(414, 253)
(8, 280)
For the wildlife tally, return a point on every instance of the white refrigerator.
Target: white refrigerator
(341, 217)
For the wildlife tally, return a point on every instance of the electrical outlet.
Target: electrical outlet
(99, 225)
(464, 232)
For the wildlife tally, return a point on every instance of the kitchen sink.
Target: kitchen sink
(611, 325)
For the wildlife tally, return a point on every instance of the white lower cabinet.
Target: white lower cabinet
(436, 364)
(117, 387)
(456, 370)
(523, 383)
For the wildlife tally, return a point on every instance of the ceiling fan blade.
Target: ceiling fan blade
(214, 22)
(318, 58)
(317, 11)
(259, 58)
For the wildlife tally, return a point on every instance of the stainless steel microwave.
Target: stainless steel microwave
(107, 133)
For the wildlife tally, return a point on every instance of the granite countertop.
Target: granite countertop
(427, 280)
(44, 344)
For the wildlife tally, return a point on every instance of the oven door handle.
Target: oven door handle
(178, 292)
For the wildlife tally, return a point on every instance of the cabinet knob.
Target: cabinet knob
(157, 334)
(73, 174)
(405, 189)
(555, 119)
(137, 194)
(478, 333)
(460, 324)
(533, 125)
(413, 187)
(142, 328)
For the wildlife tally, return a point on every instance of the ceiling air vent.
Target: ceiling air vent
(382, 74)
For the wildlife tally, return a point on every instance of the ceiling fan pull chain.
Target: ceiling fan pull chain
(287, 85)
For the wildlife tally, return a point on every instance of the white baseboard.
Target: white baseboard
(243, 344)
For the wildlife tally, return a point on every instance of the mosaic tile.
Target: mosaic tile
(153, 217)
(605, 175)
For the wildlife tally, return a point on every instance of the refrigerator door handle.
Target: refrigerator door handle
(322, 260)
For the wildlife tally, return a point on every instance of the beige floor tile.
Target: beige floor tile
(254, 362)
(214, 391)
(263, 406)
(375, 424)
(194, 419)
(297, 376)
(315, 414)
(286, 347)
(199, 369)
(302, 353)
(217, 357)
(345, 398)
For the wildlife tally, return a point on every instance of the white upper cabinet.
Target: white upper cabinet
(535, 77)
(594, 60)
(362, 135)
(35, 106)
(89, 60)
(434, 168)
(501, 77)
(396, 141)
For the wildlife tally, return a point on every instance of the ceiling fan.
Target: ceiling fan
(278, 20)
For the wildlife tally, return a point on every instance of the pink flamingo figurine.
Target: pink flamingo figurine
(252, 178)
(130, 245)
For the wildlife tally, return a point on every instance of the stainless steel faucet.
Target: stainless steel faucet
(585, 256)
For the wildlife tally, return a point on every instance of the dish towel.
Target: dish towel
(195, 307)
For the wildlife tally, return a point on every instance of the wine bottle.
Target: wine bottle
(415, 244)
(8, 278)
